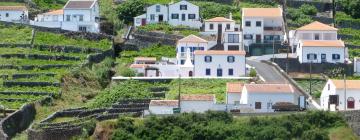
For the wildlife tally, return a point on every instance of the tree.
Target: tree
(308, 9)
(315, 134)
(350, 7)
(130, 9)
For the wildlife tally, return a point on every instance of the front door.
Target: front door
(333, 101)
(219, 72)
(258, 38)
(183, 17)
(323, 57)
(350, 103)
(161, 18)
(143, 22)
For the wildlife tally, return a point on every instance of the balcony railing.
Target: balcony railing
(272, 28)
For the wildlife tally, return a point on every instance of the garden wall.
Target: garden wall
(17, 121)
(295, 66)
(144, 39)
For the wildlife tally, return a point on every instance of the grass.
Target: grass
(168, 29)
(11, 4)
(317, 86)
(58, 40)
(15, 34)
(342, 133)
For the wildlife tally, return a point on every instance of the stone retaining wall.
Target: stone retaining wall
(30, 84)
(40, 57)
(17, 121)
(52, 48)
(31, 67)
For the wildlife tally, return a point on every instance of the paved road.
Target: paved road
(267, 72)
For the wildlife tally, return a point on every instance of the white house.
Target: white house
(191, 43)
(313, 31)
(156, 13)
(180, 13)
(162, 107)
(197, 102)
(357, 65)
(13, 13)
(262, 25)
(233, 92)
(341, 95)
(227, 32)
(81, 15)
(219, 63)
(261, 97)
(52, 19)
(321, 51)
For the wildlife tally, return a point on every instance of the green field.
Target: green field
(317, 86)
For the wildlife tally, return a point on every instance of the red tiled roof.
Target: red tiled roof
(13, 8)
(262, 12)
(317, 26)
(192, 39)
(145, 58)
(234, 87)
(213, 52)
(323, 43)
(269, 88)
(164, 103)
(55, 12)
(138, 65)
(219, 19)
(350, 84)
(198, 97)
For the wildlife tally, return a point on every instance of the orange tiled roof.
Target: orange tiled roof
(269, 88)
(145, 58)
(164, 103)
(138, 65)
(55, 12)
(219, 19)
(213, 52)
(198, 97)
(13, 8)
(350, 84)
(262, 12)
(323, 43)
(234, 87)
(317, 26)
(192, 39)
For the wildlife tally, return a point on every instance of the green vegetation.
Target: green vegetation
(168, 29)
(220, 125)
(132, 89)
(130, 9)
(50, 4)
(57, 39)
(350, 7)
(15, 34)
(301, 16)
(317, 86)
(11, 4)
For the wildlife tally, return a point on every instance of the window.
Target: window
(231, 72)
(152, 17)
(328, 86)
(81, 18)
(68, 17)
(208, 59)
(211, 26)
(182, 49)
(191, 16)
(231, 59)
(157, 8)
(227, 26)
(336, 56)
(183, 7)
(82, 28)
(236, 102)
(248, 36)
(7, 15)
(350, 103)
(258, 23)
(208, 72)
(317, 36)
(219, 73)
(247, 23)
(233, 38)
(311, 56)
(182, 62)
(174, 16)
(257, 105)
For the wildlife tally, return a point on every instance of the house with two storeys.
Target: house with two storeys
(318, 43)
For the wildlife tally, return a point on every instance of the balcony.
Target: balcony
(272, 28)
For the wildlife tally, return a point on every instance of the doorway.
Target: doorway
(183, 17)
(350, 103)
(161, 18)
(258, 38)
(219, 73)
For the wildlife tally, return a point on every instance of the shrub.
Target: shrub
(253, 72)
(308, 9)
(128, 72)
(130, 9)
(315, 134)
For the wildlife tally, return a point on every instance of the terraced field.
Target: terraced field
(29, 74)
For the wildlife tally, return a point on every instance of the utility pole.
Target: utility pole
(179, 94)
(310, 82)
(345, 101)
(287, 42)
(334, 12)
